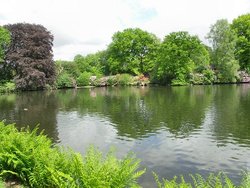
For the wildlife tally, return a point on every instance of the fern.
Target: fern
(219, 180)
(246, 180)
(32, 159)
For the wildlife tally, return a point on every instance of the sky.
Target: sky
(87, 26)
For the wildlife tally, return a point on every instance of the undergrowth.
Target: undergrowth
(1, 184)
(32, 159)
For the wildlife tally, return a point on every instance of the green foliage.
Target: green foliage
(112, 80)
(92, 63)
(32, 159)
(83, 79)
(124, 79)
(132, 51)
(241, 26)
(1, 184)
(246, 180)
(223, 40)
(68, 67)
(219, 180)
(180, 55)
(7, 87)
(4, 42)
(64, 80)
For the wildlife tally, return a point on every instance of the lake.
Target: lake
(173, 130)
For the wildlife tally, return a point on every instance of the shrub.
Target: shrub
(84, 79)
(32, 159)
(124, 79)
(64, 80)
(112, 80)
(7, 87)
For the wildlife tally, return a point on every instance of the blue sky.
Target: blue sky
(86, 26)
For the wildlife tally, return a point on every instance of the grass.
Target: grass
(32, 159)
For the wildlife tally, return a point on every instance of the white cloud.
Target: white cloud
(85, 26)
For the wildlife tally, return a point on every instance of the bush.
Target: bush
(7, 87)
(84, 79)
(124, 79)
(32, 159)
(64, 80)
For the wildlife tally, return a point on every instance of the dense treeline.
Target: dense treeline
(180, 59)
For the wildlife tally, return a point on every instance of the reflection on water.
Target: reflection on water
(173, 130)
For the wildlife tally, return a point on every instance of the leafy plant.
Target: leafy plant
(7, 87)
(219, 180)
(1, 184)
(84, 79)
(64, 80)
(31, 158)
(124, 79)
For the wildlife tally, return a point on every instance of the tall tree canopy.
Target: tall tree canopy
(132, 51)
(30, 56)
(181, 55)
(223, 40)
(4, 43)
(241, 26)
(93, 63)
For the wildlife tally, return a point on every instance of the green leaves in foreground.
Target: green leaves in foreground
(32, 159)
(212, 181)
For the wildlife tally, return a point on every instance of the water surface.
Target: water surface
(173, 130)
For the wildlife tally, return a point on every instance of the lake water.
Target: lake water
(173, 130)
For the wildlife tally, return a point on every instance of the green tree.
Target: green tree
(223, 40)
(4, 43)
(92, 63)
(241, 26)
(132, 51)
(180, 56)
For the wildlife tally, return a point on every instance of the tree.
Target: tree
(223, 40)
(181, 55)
(132, 51)
(4, 43)
(92, 63)
(241, 26)
(30, 56)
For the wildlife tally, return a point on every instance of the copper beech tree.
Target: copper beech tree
(30, 56)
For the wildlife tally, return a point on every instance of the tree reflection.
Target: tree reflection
(232, 113)
(139, 112)
(31, 108)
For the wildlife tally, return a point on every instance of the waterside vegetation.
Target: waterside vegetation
(26, 58)
(29, 158)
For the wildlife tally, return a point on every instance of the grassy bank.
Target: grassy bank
(32, 160)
